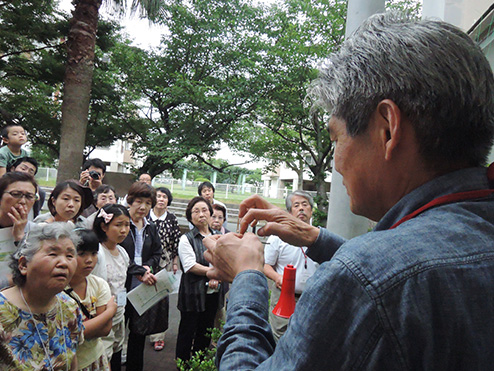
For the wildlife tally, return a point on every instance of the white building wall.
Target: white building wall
(461, 13)
(116, 155)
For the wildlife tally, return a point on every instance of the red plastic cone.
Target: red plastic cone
(286, 304)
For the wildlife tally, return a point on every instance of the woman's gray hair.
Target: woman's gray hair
(33, 240)
(434, 73)
(308, 197)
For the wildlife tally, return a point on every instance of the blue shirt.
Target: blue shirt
(420, 296)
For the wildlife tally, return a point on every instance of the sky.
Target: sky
(141, 31)
(147, 35)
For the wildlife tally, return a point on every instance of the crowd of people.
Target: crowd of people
(91, 251)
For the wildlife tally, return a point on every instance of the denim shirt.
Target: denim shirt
(420, 296)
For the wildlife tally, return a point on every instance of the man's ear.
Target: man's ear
(391, 126)
(22, 265)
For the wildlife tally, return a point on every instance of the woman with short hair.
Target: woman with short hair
(198, 296)
(66, 204)
(144, 248)
(17, 197)
(169, 233)
(40, 326)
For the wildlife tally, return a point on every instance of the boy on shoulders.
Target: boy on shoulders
(14, 137)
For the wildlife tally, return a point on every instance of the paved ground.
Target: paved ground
(165, 359)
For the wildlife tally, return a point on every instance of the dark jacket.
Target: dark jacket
(38, 204)
(151, 251)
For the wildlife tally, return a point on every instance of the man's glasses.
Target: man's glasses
(19, 195)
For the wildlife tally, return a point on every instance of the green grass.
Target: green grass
(232, 198)
(45, 183)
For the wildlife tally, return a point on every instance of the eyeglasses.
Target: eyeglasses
(216, 217)
(19, 195)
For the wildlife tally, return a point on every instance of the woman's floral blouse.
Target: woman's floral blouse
(60, 330)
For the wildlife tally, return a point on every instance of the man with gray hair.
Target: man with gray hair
(278, 254)
(412, 104)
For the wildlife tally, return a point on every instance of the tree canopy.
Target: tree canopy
(32, 68)
(201, 81)
(226, 71)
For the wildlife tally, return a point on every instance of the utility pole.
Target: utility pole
(340, 219)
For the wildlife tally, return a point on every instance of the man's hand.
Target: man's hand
(213, 284)
(279, 281)
(233, 253)
(84, 178)
(280, 223)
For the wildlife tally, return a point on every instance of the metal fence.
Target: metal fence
(223, 191)
(46, 174)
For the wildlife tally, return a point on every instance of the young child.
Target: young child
(111, 225)
(14, 137)
(98, 307)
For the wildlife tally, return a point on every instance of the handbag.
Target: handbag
(152, 321)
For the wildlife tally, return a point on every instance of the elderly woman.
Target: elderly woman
(198, 297)
(217, 222)
(40, 326)
(143, 246)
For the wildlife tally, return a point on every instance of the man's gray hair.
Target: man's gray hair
(33, 240)
(308, 197)
(431, 70)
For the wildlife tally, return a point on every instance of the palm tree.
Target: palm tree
(79, 76)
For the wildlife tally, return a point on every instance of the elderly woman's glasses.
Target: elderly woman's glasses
(19, 195)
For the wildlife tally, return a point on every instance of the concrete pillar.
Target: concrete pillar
(340, 219)
(242, 183)
(265, 190)
(213, 178)
(275, 183)
(359, 10)
(184, 179)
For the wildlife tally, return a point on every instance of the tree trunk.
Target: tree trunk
(77, 87)
(322, 203)
(300, 173)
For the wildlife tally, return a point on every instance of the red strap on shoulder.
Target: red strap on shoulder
(454, 197)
